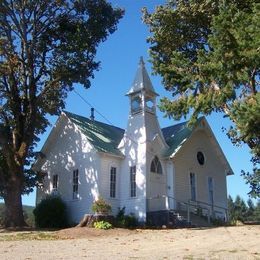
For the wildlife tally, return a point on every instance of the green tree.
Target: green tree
(256, 214)
(250, 210)
(240, 209)
(207, 52)
(46, 46)
(231, 207)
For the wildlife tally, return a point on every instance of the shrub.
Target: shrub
(51, 213)
(101, 206)
(102, 225)
(120, 215)
(218, 222)
(130, 221)
(126, 221)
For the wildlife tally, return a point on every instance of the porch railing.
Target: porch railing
(201, 208)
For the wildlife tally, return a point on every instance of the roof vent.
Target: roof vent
(92, 116)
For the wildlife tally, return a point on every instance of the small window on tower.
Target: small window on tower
(136, 104)
(149, 104)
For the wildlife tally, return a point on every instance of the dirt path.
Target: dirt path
(241, 242)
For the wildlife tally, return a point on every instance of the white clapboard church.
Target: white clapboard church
(147, 169)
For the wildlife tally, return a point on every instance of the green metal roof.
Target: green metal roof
(105, 138)
(176, 135)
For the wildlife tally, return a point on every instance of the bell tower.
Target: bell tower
(142, 95)
(142, 141)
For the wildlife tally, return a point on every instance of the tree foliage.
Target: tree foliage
(46, 46)
(207, 53)
(239, 210)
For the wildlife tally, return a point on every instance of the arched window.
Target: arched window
(156, 166)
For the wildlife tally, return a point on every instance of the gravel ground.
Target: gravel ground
(241, 242)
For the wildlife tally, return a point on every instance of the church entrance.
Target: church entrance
(156, 187)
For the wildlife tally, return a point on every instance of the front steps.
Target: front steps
(175, 219)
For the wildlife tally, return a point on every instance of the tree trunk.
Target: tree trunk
(13, 203)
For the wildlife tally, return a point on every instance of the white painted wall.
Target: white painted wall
(142, 141)
(69, 150)
(133, 146)
(185, 161)
(107, 162)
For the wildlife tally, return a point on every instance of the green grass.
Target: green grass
(28, 213)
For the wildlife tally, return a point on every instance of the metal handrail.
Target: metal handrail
(208, 204)
(187, 204)
(212, 207)
(209, 208)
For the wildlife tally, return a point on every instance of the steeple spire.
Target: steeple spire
(141, 61)
(142, 80)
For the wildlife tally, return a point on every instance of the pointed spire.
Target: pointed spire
(142, 80)
(141, 62)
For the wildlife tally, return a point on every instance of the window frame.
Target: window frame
(193, 184)
(201, 159)
(133, 181)
(112, 191)
(211, 190)
(55, 179)
(157, 165)
(75, 184)
(136, 104)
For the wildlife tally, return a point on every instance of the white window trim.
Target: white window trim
(55, 188)
(77, 194)
(157, 173)
(200, 149)
(196, 188)
(116, 181)
(213, 189)
(130, 182)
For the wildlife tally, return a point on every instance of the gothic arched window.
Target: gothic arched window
(156, 166)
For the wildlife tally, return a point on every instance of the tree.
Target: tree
(231, 206)
(207, 53)
(46, 46)
(240, 208)
(250, 209)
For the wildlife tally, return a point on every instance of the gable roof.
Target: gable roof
(104, 138)
(175, 136)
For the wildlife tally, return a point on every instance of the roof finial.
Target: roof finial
(141, 62)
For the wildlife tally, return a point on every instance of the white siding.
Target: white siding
(70, 150)
(133, 146)
(106, 163)
(186, 162)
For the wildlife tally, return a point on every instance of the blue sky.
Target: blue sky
(119, 56)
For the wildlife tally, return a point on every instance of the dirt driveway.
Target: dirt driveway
(242, 242)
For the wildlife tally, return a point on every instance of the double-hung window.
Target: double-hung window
(193, 186)
(133, 181)
(210, 189)
(113, 182)
(75, 184)
(55, 182)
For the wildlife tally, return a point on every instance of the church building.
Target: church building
(144, 168)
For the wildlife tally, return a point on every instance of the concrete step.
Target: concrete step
(175, 219)
(195, 220)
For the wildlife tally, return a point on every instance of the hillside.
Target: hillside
(28, 213)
